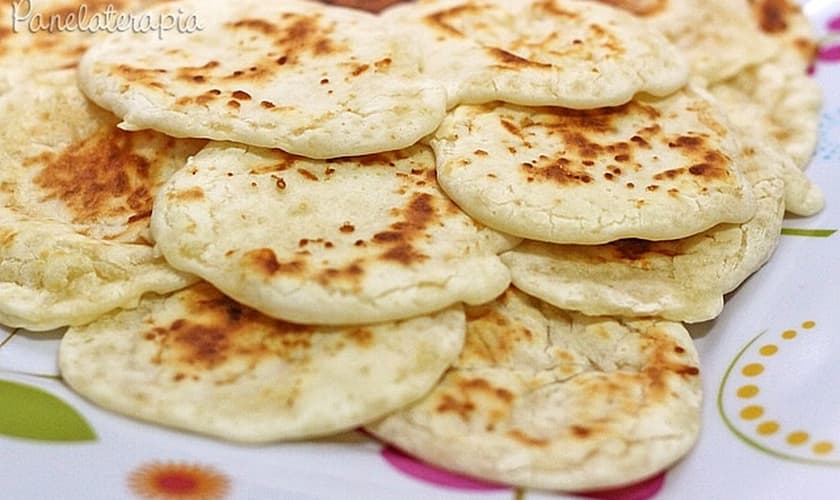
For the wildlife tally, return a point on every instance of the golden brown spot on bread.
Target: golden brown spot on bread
(358, 69)
(265, 262)
(511, 127)
(303, 34)
(360, 336)
(306, 174)
(351, 273)
(690, 142)
(416, 216)
(259, 25)
(7, 236)
(669, 174)
(527, 439)
(443, 20)
(509, 60)
(640, 8)
(191, 194)
(194, 73)
(347, 228)
(483, 386)
(637, 250)
(551, 7)
(580, 431)
(451, 404)
(267, 104)
(241, 95)
(216, 329)
(556, 170)
(101, 176)
(382, 64)
(772, 15)
(664, 362)
(404, 254)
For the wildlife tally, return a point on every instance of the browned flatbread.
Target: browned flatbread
(549, 399)
(201, 362)
(77, 199)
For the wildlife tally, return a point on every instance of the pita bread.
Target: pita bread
(776, 98)
(77, 196)
(719, 38)
(349, 241)
(540, 52)
(778, 101)
(655, 169)
(680, 280)
(25, 52)
(310, 79)
(784, 21)
(544, 398)
(198, 361)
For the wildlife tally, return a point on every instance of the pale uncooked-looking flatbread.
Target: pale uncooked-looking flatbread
(540, 52)
(307, 78)
(198, 361)
(77, 197)
(548, 399)
(349, 241)
(655, 168)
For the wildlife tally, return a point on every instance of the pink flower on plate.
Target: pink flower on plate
(830, 50)
(639, 491)
(432, 475)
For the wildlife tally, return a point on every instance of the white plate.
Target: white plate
(771, 420)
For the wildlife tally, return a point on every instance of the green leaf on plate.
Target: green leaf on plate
(31, 413)
(812, 233)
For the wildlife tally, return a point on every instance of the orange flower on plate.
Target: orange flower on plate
(178, 481)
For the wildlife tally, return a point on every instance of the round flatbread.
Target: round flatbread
(719, 38)
(679, 280)
(544, 398)
(307, 78)
(198, 361)
(654, 168)
(540, 52)
(77, 197)
(349, 241)
(776, 100)
(784, 21)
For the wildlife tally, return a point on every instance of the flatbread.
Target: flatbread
(544, 398)
(349, 241)
(719, 38)
(539, 52)
(307, 78)
(754, 54)
(775, 100)
(198, 361)
(680, 280)
(784, 21)
(25, 52)
(77, 197)
(655, 169)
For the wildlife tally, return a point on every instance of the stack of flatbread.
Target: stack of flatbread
(472, 226)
